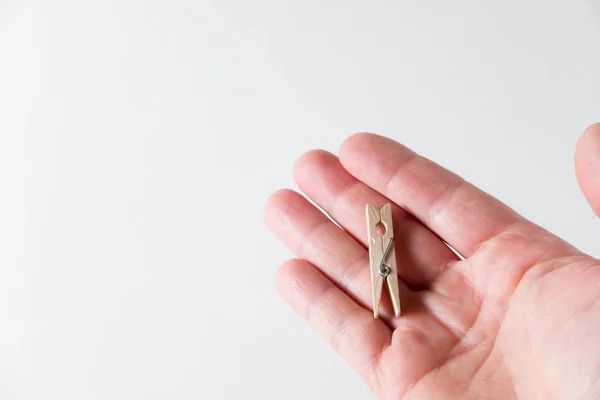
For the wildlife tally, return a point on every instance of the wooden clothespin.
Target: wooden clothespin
(382, 256)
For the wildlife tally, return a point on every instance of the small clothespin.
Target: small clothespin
(382, 256)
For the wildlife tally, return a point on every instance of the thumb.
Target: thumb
(587, 165)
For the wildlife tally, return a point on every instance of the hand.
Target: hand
(519, 317)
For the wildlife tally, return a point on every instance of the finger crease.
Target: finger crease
(505, 228)
(398, 170)
(442, 201)
(353, 270)
(341, 328)
(333, 202)
(318, 302)
(308, 236)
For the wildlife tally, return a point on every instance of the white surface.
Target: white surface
(126, 127)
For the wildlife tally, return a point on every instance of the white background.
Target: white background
(139, 141)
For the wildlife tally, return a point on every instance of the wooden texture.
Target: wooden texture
(392, 278)
(377, 246)
(375, 255)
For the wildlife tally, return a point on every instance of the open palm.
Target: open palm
(518, 317)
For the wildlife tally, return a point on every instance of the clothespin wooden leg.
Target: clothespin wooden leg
(390, 260)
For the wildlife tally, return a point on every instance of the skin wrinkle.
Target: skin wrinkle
(486, 309)
(360, 189)
(458, 337)
(481, 363)
(301, 285)
(464, 340)
(416, 173)
(447, 266)
(375, 362)
(536, 365)
(526, 326)
(522, 270)
(560, 326)
(341, 328)
(503, 230)
(412, 155)
(468, 281)
(410, 388)
(495, 352)
(436, 369)
(445, 198)
(307, 237)
(471, 325)
(470, 213)
(419, 182)
(456, 333)
(465, 212)
(318, 303)
(332, 203)
(508, 374)
(561, 263)
(476, 245)
(356, 266)
(332, 243)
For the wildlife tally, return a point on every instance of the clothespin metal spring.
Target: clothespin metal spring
(384, 269)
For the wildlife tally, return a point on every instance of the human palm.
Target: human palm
(517, 316)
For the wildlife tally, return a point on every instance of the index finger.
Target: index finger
(460, 213)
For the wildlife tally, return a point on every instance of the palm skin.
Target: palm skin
(516, 317)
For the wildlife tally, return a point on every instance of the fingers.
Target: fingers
(312, 236)
(349, 328)
(587, 165)
(461, 214)
(421, 256)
